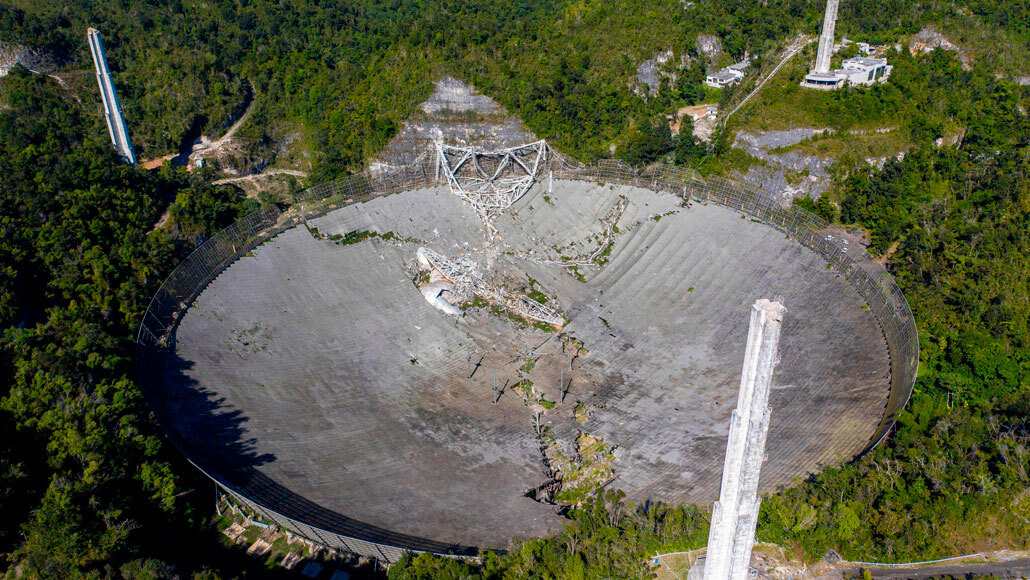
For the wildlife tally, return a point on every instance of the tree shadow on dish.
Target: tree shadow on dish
(212, 435)
(198, 421)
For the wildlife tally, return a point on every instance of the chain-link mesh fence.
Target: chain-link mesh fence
(361, 187)
(870, 280)
(277, 504)
(193, 274)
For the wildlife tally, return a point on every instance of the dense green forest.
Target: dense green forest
(338, 77)
(89, 488)
(83, 466)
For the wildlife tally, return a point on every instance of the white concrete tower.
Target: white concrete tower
(735, 514)
(822, 59)
(112, 108)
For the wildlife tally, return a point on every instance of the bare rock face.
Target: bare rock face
(12, 55)
(933, 38)
(648, 73)
(788, 175)
(929, 38)
(460, 115)
(709, 45)
(9, 57)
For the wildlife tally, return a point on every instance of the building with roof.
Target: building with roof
(860, 70)
(863, 70)
(728, 75)
(868, 49)
(740, 66)
(723, 78)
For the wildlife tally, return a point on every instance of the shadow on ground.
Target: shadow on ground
(211, 435)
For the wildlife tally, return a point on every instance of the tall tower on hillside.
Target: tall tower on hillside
(820, 77)
(735, 515)
(112, 108)
(822, 59)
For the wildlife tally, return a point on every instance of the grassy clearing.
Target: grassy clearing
(734, 160)
(674, 567)
(537, 296)
(784, 104)
(843, 145)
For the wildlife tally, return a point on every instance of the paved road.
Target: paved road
(1010, 569)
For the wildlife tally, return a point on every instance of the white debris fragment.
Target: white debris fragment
(434, 294)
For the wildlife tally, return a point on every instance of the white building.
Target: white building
(740, 66)
(723, 78)
(859, 70)
(856, 71)
(728, 75)
(867, 49)
(862, 70)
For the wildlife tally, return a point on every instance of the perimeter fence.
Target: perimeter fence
(877, 287)
(279, 505)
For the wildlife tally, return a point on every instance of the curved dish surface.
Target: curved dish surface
(320, 366)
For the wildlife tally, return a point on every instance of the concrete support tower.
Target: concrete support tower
(112, 108)
(735, 515)
(822, 59)
(821, 77)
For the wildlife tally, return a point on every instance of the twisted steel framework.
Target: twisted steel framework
(491, 181)
(468, 282)
(277, 504)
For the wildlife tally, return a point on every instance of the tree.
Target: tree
(821, 207)
(689, 149)
(647, 143)
(689, 83)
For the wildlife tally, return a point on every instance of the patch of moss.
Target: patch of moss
(527, 366)
(477, 302)
(503, 312)
(585, 472)
(543, 326)
(575, 272)
(580, 411)
(525, 386)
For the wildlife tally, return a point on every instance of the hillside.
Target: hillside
(336, 79)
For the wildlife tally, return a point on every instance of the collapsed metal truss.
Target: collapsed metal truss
(467, 280)
(490, 180)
